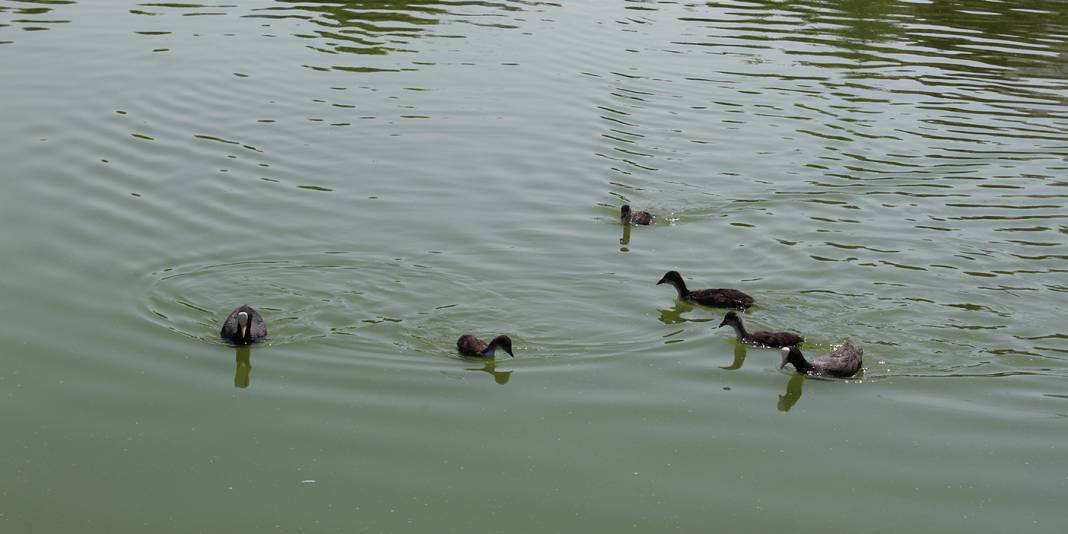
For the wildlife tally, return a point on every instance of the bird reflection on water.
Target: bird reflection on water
(625, 240)
(739, 358)
(793, 392)
(489, 366)
(243, 372)
(674, 314)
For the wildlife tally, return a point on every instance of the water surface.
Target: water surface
(378, 178)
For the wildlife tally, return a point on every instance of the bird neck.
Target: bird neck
(680, 286)
(491, 348)
(799, 362)
(739, 330)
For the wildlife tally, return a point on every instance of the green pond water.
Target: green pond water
(380, 177)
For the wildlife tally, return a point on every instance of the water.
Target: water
(380, 177)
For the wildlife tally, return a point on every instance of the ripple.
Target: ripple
(371, 33)
(378, 178)
(32, 16)
(381, 308)
(302, 297)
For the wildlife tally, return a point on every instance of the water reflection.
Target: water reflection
(739, 357)
(945, 25)
(362, 27)
(378, 27)
(38, 16)
(489, 366)
(243, 372)
(875, 40)
(625, 239)
(674, 315)
(793, 392)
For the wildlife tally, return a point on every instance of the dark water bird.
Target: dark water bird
(469, 345)
(722, 297)
(634, 217)
(842, 362)
(243, 326)
(762, 338)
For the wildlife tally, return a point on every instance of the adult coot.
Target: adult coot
(842, 362)
(243, 326)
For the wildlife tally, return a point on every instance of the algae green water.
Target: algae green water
(378, 178)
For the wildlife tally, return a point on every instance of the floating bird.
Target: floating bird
(634, 217)
(724, 298)
(761, 338)
(469, 345)
(842, 362)
(243, 326)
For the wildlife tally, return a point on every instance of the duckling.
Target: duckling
(724, 298)
(842, 362)
(243, 326)
(761, 338)
(634, 217)
(469, 345)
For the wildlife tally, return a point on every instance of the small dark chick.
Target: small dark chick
(469, 345)
(719, 297)
(634, 217)
(761, 338)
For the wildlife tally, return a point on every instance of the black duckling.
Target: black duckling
(469, 345)
(761, 338)
(842, 362)
(634, 217)
(243, 326)
(724, 298)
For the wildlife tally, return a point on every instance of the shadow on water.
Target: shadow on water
(489, 366)
(793, 392)
(243, 371)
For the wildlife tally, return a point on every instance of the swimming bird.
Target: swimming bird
(243, 326)
(762, 338)
(634, 217)
(842, 362)
(722, 297)
(469, 345)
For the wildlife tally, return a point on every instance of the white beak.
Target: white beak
(242, 321)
